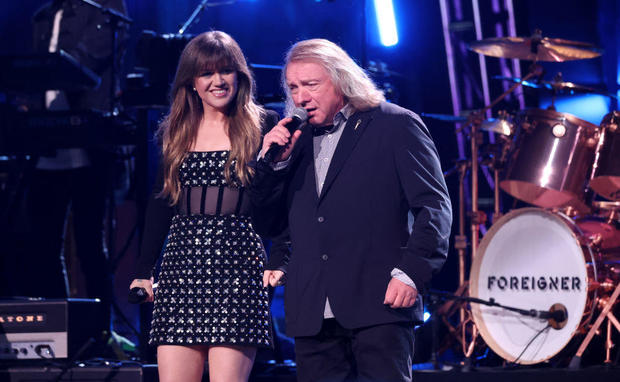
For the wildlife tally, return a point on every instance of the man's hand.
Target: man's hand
(280, 136)
(399, 294)
(147, 285)
(273, 278)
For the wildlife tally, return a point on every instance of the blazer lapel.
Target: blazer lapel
(353, 130)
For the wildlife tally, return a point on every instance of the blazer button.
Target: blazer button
(325, 257)
(320, 219)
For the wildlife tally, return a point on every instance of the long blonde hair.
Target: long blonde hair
(352, 81)
(212, 50)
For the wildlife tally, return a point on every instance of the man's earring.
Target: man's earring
(194, 89)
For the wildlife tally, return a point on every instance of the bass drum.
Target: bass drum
(532, 259)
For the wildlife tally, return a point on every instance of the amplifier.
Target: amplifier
(48, 329)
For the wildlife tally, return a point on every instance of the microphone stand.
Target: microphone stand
(434, 296)
(543, 314)
(115, 20)
(192, 18)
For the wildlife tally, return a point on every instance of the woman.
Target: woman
(210, 303)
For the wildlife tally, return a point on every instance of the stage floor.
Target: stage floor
(148, 373)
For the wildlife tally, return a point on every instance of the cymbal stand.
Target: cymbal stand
(535, 71)
(554, 91)
(478, 217)
(460, 241)
(611, 319)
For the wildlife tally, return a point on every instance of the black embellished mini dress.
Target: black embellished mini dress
(210, 284)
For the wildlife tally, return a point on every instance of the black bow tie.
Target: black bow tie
(322, 130)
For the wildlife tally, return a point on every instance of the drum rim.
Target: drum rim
(536, 112)
(477, 263)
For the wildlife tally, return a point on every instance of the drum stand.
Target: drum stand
(477, 217)
(611, 319)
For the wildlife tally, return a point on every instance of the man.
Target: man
(344, 193)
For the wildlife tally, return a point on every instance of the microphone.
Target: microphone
(299, 115)
(557, 315)
(136, 295)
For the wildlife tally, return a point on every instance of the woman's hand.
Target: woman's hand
(147, 285)
(273, 278)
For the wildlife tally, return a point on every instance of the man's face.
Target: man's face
(312, 88)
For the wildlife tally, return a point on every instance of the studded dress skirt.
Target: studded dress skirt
(210, 284)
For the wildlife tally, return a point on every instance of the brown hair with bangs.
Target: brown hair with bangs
(209, 51)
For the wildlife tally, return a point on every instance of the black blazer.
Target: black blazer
(346, 241)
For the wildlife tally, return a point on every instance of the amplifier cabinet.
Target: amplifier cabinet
(48, 329)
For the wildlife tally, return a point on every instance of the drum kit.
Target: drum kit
(563, 252)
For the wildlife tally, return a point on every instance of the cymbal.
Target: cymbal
(535, 48)
(496, 125)
(558, 86)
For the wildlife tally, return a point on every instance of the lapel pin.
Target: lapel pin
(357, 124)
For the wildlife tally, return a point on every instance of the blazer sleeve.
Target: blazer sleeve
(268, 209)
(423, 184)
(157, 224)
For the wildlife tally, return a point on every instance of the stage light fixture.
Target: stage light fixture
(384, 9)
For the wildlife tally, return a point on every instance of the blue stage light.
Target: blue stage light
(589, 107)
(386, 21)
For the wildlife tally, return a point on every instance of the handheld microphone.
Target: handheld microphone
(136, 295)
(299, 115)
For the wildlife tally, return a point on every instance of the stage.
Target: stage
(148, 373)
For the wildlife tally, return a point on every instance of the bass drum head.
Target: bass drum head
(529, 259)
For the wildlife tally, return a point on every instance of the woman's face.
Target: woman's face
(217, 88)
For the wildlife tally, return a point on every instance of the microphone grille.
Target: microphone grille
(301, 113)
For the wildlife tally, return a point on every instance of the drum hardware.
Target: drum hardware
(605, 286)
(606, 175)
(531, 256)
(500, 125)
(611, 319)
(460, 244)
(557, 312)
(446, 117)
(495, 156)
(465, 332)
(551, 170)
(535, 48)
(558, 86)
(608, 210)
(588, 252)
(556, 316)
(475, 121)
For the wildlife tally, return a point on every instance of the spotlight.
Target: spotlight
(388, 33)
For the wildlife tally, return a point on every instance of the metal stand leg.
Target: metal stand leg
(576, 361)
